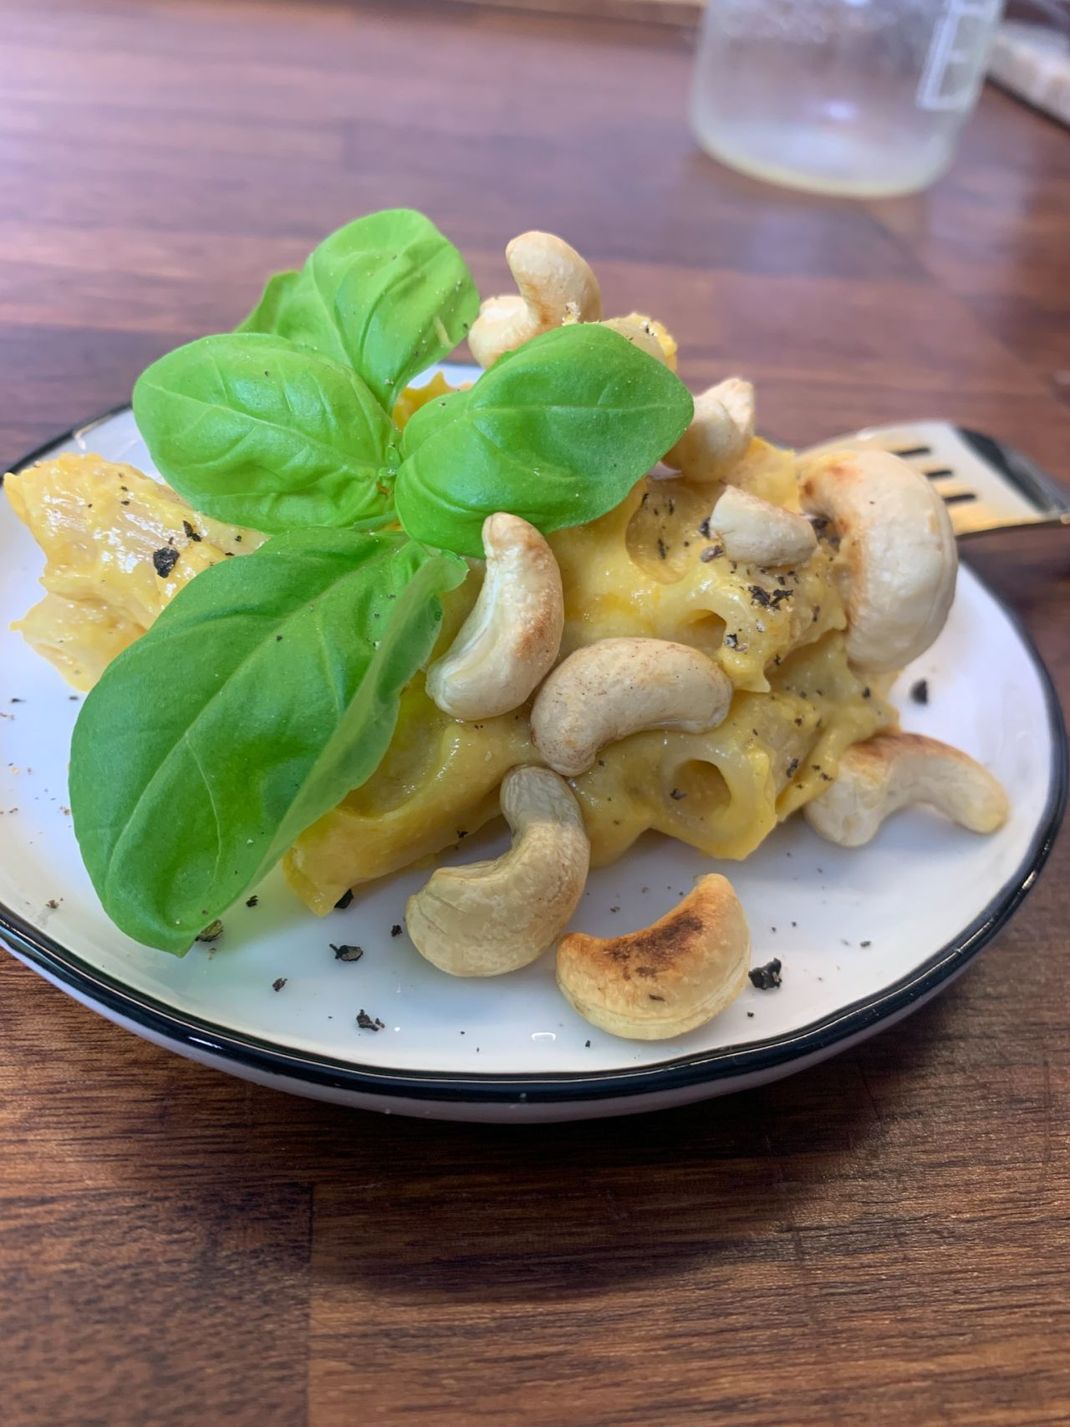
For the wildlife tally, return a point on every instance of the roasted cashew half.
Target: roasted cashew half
(894, 770)
(648, 334)
(897, 549)
(720, 432)
(553, 283)
(759, 532)
(510, 640)
(492, 917)
(669, 977)
(615, 687)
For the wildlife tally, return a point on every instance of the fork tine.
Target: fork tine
(981, 483)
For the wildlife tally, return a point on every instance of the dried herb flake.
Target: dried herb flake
(345, 952)
(767, 977)
(165, 560)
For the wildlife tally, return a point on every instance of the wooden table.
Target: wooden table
(882, 1239)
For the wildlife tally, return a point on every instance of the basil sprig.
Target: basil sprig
(265, 691)
(286, 426)
(557, 432)
(269, 687)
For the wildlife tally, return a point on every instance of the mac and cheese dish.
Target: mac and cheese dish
(709, 657)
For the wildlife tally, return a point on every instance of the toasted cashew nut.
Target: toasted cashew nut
(648, 334)
(492, 917)
(614, 687)
(898, 552)
(894, 770)
(667, 978)
(554, 282)
(511, 638)
(755, 530)
(720, 432)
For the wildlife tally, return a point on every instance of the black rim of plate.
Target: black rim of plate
(200, 1037)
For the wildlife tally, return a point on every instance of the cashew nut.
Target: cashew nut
(759, 532)
(511, 638)
(667, 978)
(721, 430)
(492, 917)
(648, 334)
(615, 687)
(554, 282)
(897, 549)
(894, 770)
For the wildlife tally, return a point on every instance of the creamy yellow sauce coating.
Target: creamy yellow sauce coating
(645, 568)
(100, 524)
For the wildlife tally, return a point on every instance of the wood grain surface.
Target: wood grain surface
(883, 1239)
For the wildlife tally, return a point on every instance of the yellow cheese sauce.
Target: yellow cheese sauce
(646, 568)
(100, 525)
(639, 570)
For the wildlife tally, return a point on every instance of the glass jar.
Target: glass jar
(862, 97)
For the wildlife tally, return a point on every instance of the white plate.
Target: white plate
(864, 936)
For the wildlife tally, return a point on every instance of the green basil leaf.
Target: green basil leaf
(557, 432)
(265, 691)
(264, 316)
(387, 293)
(252, 429)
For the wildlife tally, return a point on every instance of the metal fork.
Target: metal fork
(985, 484)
